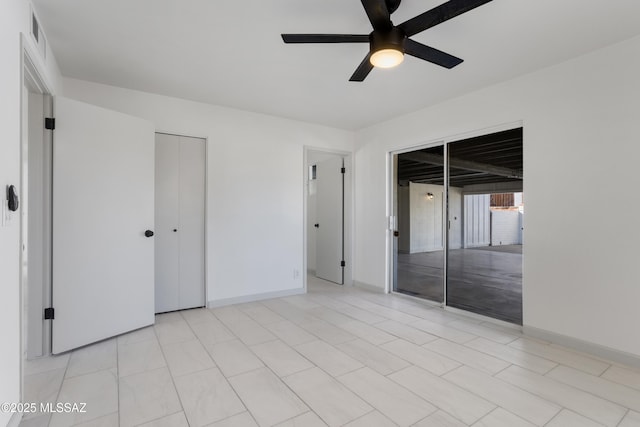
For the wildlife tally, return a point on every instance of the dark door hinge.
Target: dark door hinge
(343, 264)
(49, 313)
(343, 170)
(49, 123)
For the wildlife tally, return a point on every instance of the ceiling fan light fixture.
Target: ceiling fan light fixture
(386, 58)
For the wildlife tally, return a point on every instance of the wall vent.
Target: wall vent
(38, 35)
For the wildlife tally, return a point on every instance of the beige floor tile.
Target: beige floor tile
(111, 420)
(570, 419)
(632, 419)
(174, 420)
(308, 419)
(146, 397)
(93, 358)
(559, 355)
(620, 394)
(212, 331)
(443, 331)
(250, 332)
(373, 356)
(139, 356)
(498, 336)
(99, 390)
(373, 418)
(143, 334)
(207, 397)
(458, 402)
(395, 402)
(47, 363)
(233, 357)
(328, 358)
(40, 388)
(241, 420)
(172, 332)
(367, 332)
(521, 403)
(281, 358)
(623, 376)
(187, 357)
(268, 399)
(603, 411)
(197, 315)
(229, 314)
(406, 332)
(502, 418)
(328, 398)
(467, 356)
(262, 314)
(420, 356)
(327, 332)
(513, 355)
(290, 333)
(440, 419)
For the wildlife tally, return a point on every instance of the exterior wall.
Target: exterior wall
(506, 227)
(477, 221)
(579, 116)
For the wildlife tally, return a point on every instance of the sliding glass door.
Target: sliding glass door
(459, 221)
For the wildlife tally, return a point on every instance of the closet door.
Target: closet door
(180, 195)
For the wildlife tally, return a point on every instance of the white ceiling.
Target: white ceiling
(230, 52)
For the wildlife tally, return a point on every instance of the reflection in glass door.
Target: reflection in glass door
(486, 208)
(469, 219)
(420, 230)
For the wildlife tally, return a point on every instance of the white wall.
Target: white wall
(255, 184)
(14, 19)
(477, 220)
(580, 135)
(506, 227)
(426, 217)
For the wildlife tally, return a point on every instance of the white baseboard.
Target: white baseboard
(15, 419)
(254, 297)
(597, 350)
(368, 287)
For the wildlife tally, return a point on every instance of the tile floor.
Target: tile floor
(336, 356)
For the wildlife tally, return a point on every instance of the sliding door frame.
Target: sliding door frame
(392, 220)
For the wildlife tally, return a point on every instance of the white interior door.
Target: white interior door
(330, 215)
(180, 233)
(103, 202)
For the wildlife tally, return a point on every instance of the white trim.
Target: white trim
(15, 419)
(594, 349)
(255, 297)
(368, 287)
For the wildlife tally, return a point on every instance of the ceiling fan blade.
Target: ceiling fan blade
(439, 14)
(325, 38)
(430, 54)
(378, 14)
(363, 70)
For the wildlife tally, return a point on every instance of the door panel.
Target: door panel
(103, 180)
(167, 248)
(191, 230)
(329, 237)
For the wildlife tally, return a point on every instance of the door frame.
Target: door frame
(392, 220)
(32, 71)
(206, 205)
(348, 210)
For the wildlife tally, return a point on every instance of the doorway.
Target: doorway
(328, 215)
(459, 212)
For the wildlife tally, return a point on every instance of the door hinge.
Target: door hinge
(49, 123)
(49, 313)
(343, 170)
(343, 264)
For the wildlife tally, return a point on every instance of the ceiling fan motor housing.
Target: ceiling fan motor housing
(392, 39)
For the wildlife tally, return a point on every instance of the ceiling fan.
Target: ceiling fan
(389, 43)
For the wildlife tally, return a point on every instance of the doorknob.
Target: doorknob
(148, 233)
(175, 230)
(316, 225)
